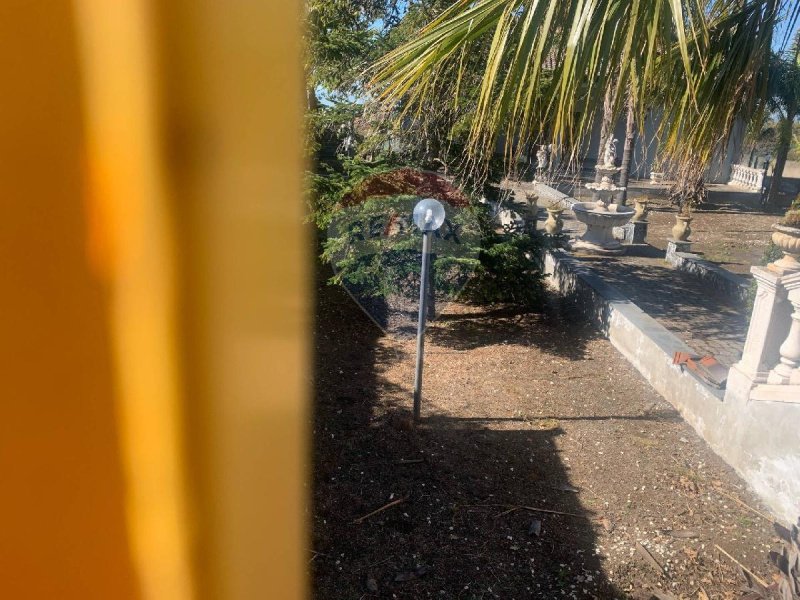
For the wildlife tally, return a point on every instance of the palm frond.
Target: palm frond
(548, 64)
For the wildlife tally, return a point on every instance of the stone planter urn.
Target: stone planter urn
(787, 239)
(642, 210)
(682, 229)
(600, 220)
(554, 223)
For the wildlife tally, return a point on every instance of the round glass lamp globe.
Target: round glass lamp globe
(429, 214)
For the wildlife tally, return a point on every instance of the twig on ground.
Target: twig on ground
(381, 509)
(545, 510)
(409, 461)
(375, 564)
(505, 512)
(556, 512)
(747, 506)
(743, 568)
(651, 560)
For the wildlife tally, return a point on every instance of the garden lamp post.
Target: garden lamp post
(428, 217)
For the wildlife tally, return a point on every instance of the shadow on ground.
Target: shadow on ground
(455, 535)
(681, 303)
(506, 326)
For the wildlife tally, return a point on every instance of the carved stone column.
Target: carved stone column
(788, 370)
(765, 331)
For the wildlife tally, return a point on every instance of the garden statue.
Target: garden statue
(541, 158)
(610, 155)
(542, 163)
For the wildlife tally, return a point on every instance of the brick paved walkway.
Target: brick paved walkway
(708, 323)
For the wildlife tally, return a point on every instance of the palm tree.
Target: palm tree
(627, 148)
(550, 63)
(785, 92)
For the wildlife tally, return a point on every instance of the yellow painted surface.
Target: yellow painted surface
(133, 243)
(154, 297)
(62, 521)
(232, 81)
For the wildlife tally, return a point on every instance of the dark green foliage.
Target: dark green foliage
(771, 254)
(486, 267)
(343, 38)
(327, 187)
(509, 271)
(376, 250)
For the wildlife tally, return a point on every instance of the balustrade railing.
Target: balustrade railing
(770, 365)
(747, 177)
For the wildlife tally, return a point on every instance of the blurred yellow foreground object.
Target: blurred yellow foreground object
(153, 300)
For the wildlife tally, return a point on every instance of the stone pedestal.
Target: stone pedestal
(763, 335)
(634, 232)
(674, 246)
(769, 369)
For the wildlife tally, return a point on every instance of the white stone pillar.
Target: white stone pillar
(734, 174)
(761, 335)
(788, 370)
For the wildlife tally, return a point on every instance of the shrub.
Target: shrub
(327, 187)
(509, 271)
(791, 218)
(376, 253)
(376, 250)
(771, 254)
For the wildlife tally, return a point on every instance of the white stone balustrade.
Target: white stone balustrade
(747, 177)
(770, 366)
(755, 426)
(787, 371)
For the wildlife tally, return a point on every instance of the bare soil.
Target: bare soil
(725, 230)
(729, 234)
(522, 414)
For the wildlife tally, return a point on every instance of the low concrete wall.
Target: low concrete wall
(726, 283)
(758, 439)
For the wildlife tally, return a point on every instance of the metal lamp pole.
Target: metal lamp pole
(423, 311)
(428, 216)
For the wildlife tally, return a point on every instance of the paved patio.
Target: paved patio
(708, 322)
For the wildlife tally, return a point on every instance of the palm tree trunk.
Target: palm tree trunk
(627, 152)
(784, 144)
(784, 135)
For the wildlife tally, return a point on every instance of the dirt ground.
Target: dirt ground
(544, 467)
(726, 230)
(729, 234)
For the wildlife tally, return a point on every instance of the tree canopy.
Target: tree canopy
(545, 68)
